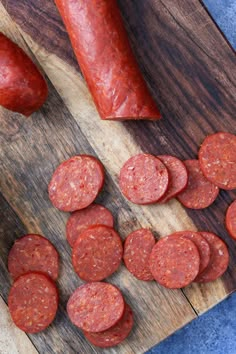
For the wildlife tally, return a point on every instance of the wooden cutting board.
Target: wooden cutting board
(190, 69)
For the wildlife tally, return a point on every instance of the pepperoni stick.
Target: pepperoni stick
(22, 87)
(101, 45)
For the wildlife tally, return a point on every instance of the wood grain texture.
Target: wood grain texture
(189, 68)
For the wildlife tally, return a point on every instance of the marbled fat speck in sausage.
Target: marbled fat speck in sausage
(174, 261)
(143, 179)
(217, 157)
(97, 253)
(114, 335)
(96, 307)
(80, 220)
(76, 183)
(137, 248)
(102, 48)
(219, 260)
(200, 192)
(33, 253)
(22, 87)
(230, 220)
(178, 176)
(33, 302)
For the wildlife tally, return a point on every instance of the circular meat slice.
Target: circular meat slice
(76, 183)
(95, 307)
(199, 193)
(143, 179)
(137, 248)
(219, 260)
(97, 253)
(178, 176)
(230, 220)
(114, 335)
(80, 220)
(33, 302)
(202, 245)
(33, 253)
(174, 261)
(217, 157)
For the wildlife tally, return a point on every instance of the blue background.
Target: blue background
(215, 331)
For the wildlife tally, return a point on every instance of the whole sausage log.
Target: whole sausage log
(102, 48)
(22, 87)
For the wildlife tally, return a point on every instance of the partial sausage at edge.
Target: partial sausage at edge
(22, 87)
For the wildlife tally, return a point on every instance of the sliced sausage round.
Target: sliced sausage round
(217, 157)
(174, 261)
(202, 245)
(137, 249)
(114, 335)
(33, 302)
(143, 179)
(23, 89)
(230, 220)
(178, 176)
(219, 259)
(76, 183)
(199, 193)
(33, 253)
(97, 253)
(95, 307)
(80, 220)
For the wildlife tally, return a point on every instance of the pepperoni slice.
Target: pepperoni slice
(202, 245)
(231, 220)
(76, 183)
(178, 176)
(137, 249)
(97, 253)
(95, 307)
(174, 261)
(219, 260)
(143, 179)
(114, 335)
(33, 302)
(217, 157)
(33, 253)
(200, 193)
(80, 220)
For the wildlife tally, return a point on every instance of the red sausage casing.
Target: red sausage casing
(22, 86)
(102, 48)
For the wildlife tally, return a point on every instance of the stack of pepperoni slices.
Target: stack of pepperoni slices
(33, 263)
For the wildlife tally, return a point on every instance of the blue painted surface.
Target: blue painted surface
(212, 333)
(224, 13)
(215, 331)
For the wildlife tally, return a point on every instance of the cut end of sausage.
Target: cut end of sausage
(217, 157)
(230, 220)
(33, 253)
(97, 253)
(76, 183)
(114, 335)
(80, 220)
(174, 262)
(33, 302)
(96, 307)
(143, 179)
(200, 193)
